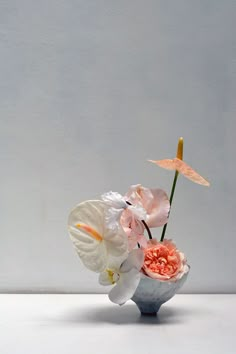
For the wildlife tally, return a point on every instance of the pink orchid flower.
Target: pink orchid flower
(133, 228)
(154, 201)
(130, 217)
(156, 204)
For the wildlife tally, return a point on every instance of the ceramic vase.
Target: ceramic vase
(151, 293)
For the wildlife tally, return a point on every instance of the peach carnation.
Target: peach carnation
(163, 261)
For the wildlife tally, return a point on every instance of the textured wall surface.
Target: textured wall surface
(89, 91)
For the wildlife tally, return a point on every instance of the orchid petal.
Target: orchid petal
(114, 263)
(141, 239)
(137, 194)
(105, 278)
(129, 221)
(133, 193)
(154, 201)
(132, 238)
(135, 260)
(158, 211)
(138, 211)
(125, 287)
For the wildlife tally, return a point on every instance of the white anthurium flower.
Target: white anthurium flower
(117, 204)
(92, 239)
(126, 277)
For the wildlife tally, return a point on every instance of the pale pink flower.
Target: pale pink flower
(163, 261)
(154, 201)
(133, 228)
(130, 216)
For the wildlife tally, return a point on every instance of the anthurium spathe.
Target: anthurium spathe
(183, 168)
(126, 277)
(92, 239)
(177, 164)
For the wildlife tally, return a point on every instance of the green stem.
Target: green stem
(171, 198)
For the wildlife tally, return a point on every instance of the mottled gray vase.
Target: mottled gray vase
(152, 293)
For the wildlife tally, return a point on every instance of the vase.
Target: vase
(152, 293)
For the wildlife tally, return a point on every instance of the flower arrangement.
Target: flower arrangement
(109, 234)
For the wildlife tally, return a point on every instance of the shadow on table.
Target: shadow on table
(127, 314)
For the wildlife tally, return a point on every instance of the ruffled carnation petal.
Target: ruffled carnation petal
(163, 261)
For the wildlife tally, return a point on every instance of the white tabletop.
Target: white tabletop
(84, 324)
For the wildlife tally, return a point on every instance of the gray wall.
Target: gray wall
(89, 91)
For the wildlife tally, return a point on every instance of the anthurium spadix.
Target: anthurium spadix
(92, 239)
(126, 277)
